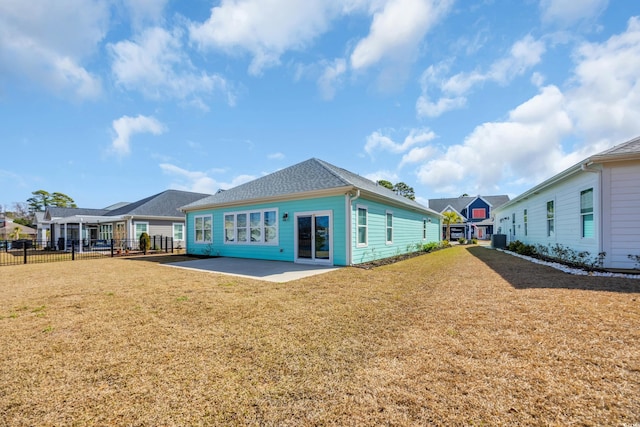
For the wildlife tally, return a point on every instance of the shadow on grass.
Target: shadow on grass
(523, 274)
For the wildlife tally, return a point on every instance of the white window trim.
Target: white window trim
(173, 229)
(553, 219)
(135, 228)
(582, 215)
(366, 226)
(195, 217)
(262, 226)
(424, 228)
(386, 227)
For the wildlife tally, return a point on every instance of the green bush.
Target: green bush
(520, 248)
(474, 241)
(145, 242)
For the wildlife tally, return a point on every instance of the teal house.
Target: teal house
(311, 212)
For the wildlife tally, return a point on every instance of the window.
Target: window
(362, 226)
(254, 227)
(525, 222)
(424, 229)
(586, 213)
(203, 226)
(106, 231)
(513, 223)
(550, 219)
(389, 227)
(178, 231)
(141, 227)
(478, 213)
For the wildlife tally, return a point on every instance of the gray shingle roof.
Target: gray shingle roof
(629, 148)
(166, 204)
(308, 176)
(459, 203)
(55, 212)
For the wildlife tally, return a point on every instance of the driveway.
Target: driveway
(271, 271)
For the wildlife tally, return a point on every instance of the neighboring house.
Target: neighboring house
(43, 226)
(7, 228)
(311, 212)
(592, 206)
(476, 213)
(157, 215)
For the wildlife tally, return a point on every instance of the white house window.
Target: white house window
(513, 223)
(550, 219)
(424, 229)
(203, 226)
(362, 226)
(586, 213)
(525, 223)
(389, 227)
(106, 231)
(178, 231)
(254, 227)
(141, 227)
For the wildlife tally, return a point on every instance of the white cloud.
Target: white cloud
(200, 182)
(599, 108)
(142, 12)
(418, 154)
(331, 77)
(125, 127)
(156, 64)
(568, 12)
(264, 28)
(382, 174)
(275, 156)
(604, 98)
(379, 141)
(496, 153)
(47, 45)
(396, 29)
(523, 55)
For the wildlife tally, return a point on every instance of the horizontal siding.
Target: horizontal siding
(284, 250)
(407, 231)
(623, 180)
(568, 225)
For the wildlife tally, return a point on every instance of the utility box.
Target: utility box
(498, 241)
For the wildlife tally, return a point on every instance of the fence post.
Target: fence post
(73, 250)
(111, 248)
(172, 245)
(24, 248)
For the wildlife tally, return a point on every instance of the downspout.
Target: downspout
(588, 167)
(349, 199)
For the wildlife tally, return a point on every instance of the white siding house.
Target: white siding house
(593, 206)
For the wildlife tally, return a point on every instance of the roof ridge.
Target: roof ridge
(331, 169)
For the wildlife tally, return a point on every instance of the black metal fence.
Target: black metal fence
(33, 251)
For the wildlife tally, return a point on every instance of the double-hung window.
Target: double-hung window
(525, 222)
(513, 223)
(141, 227)
(253, 227)
(586, 213)
(178, 231)
(550, 219)
(389, 227)
(424, 229)
(362, 226)
(203, 226)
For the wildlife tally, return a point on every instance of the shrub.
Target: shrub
(474, 241)
(462, 240)
(145, 242)
(432, 246)
(520, 248)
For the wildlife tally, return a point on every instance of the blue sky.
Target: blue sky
(111, 101)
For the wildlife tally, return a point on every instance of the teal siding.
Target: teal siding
(407, 231)
(284, 250)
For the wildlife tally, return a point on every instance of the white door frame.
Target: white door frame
(313, 260)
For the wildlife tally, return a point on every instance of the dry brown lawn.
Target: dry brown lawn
(463, 336)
